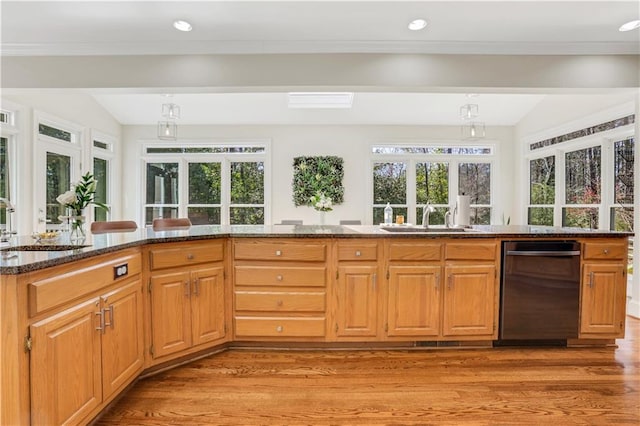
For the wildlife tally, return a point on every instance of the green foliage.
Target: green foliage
(432, 183)
(389, 183)
(83, 194)
(313, 175)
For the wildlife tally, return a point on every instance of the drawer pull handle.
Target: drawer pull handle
(591, 280)
(190, 256)
(278, 253)
(279, 303)
(186, 289)
(279, 329)
(279, 278)
(606, 251)
(358, 254)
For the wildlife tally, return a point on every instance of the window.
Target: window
(622, 208)
(102, 151)
(58, 182)
(582, 188)
(542, 191)
(409, 177)
(4, 178)
(209, 184)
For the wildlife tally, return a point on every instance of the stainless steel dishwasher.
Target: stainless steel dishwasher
(540, 290)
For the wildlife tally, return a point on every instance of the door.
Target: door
(122, 347)
(603, 297)
(65, 365)
(469, 300)
(207, 305)
(356, 301)
(413, 304)
(170, 313)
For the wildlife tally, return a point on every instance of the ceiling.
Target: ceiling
(265, 27)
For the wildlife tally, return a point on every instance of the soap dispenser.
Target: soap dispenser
(388, 214)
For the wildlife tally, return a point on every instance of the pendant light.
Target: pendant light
(168, 128)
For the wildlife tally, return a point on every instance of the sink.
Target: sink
(48, 247)
(420, 229)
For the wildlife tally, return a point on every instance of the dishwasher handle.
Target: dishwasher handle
(543, 253)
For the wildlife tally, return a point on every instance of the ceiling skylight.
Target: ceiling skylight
(320, 99)
(182, 25)
(629, 26)
(417, 24)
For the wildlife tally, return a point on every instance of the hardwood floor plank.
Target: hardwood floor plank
(502, 386)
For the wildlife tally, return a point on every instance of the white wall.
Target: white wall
(77, 108)
(352, 143)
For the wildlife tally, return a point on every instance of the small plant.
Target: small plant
(321, 203)
(81, 195)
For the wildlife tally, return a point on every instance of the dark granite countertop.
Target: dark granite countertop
(14, 262)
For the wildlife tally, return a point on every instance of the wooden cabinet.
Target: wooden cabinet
(356, 302)
(603, 289)
(469, 301)
(187, 303)
(83, 355)
(280, 290)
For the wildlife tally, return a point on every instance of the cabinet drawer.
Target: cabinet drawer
(192, 254)
(301, 252)
(470, 251)
(64, 284)
(357, 251)
(275, 301)
(415, 251)
(605, 250)
(291, 276)
(280, 327)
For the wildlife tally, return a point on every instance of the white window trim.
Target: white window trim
(453, 159)
(184, 159)
(109, 156)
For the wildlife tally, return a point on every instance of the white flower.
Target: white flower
(68, 197)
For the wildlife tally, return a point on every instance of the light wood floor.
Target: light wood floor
(507, 386)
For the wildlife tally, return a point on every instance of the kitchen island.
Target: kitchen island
(131, 303)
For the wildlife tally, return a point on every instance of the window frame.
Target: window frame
(454, 160)
(108, 155)
(226, 158)
(10, 131)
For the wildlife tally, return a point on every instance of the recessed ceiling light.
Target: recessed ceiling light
(417, 24)
(182, 25)
(632, 25)
(320, 99)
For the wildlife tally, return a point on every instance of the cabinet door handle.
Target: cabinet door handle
(590, 279)
(100, 327)
(450, 281)
(375, 280)
(196, 287)
(186, 289)
(437, 282)
(110, 311)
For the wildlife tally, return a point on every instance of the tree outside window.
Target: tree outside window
(474, 179)
(389, 186)
(583, 178)
(542, 190)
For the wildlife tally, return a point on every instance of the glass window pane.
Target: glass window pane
(101, 174)
(162, 183)
(159, 212)
(622, 219)
(43, 129)
(378, 214)
(204, 183)
(542, 180)
(247, 183)
(432, 183)
(389, 184)
(246, 215)
(58, 182)
(481, 215)
(540, 216)
(623, 171)
(582, 174)
(474, 179)
(204, 215)
(580, 217)
(101, 145)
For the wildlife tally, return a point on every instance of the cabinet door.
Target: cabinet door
(65, 366)
(170, 313)
(602, 306)
(207, 305)
(469, 300)
(122, 343)
(356, 309)
(413, 304)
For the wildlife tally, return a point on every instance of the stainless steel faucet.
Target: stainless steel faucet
(426, 209)
(7, 232)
